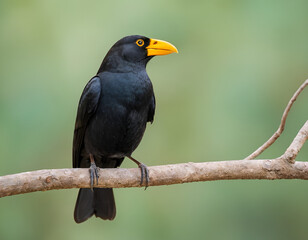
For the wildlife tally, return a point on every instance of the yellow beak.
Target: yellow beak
(160, 47)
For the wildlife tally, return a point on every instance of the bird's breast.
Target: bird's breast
(133, 90)
(121, 116)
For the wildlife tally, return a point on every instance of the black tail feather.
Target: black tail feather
(84, 205)
(104, 204)
(99, 202)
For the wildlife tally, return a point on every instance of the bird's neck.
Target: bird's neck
(118, 65)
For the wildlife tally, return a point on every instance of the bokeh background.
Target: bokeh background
(220, 98)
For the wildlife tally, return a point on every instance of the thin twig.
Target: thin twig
(296, 145)
(273, 138)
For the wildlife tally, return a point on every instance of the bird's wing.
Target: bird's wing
(86, 108)
(151, 111)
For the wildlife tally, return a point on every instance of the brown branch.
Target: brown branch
(280, 168)
(43, 180)
(276, 135)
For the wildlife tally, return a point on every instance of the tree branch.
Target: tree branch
(280, 168)
(276, 135)
(283, 167)
(43, 180)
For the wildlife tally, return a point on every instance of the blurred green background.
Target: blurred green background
(220, 98)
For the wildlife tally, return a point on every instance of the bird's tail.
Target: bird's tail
(100, 202)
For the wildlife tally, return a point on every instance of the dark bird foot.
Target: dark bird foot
(94, 172)
(144, 172)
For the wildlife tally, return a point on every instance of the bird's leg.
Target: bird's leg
(144, 171)
(94, 171)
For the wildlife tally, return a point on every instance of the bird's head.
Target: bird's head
(133, 52)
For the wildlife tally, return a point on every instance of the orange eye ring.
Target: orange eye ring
(140, 42)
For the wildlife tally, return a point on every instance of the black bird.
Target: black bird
(113, 111)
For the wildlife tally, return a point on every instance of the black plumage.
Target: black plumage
(113, 111)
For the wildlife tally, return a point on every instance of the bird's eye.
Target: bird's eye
(140, 42)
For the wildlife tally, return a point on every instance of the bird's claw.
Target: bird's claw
(94, 173)
(144, 174)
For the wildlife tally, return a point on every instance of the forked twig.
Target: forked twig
(276, 135)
